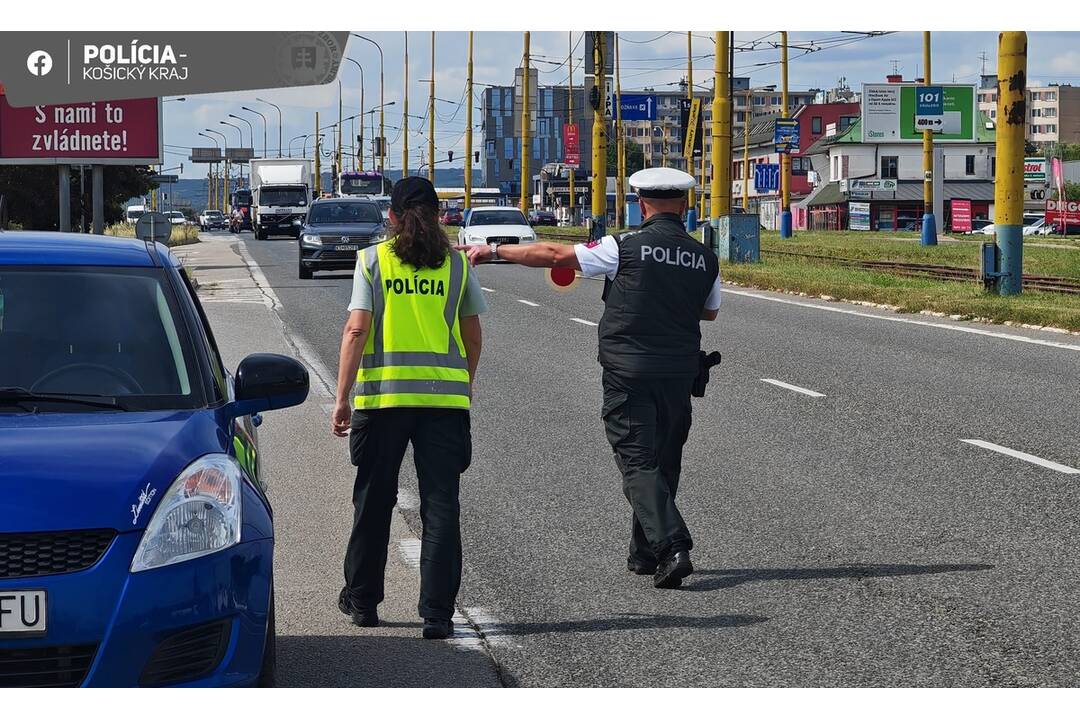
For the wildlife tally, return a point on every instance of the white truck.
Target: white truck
(280, 195)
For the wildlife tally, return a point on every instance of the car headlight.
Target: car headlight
(199, 514)
(312, 240)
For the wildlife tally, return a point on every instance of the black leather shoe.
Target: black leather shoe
(360, 616)
(672, 570)
(436, 629)
(640, 568)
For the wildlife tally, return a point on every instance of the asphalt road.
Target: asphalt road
(847, 539)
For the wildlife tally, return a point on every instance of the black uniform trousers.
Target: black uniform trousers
(647, 421)
(442, 450)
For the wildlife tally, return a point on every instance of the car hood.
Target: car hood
(350, 229)
(484, 231)
(88, 470)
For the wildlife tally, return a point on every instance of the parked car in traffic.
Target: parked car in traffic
(176, 217)
(542, 217)
(211, 220)
(335, 229)
(136, 535)
(451, 216)
(496, 225)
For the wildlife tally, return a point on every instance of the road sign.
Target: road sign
(896, 112)
(786, 135)
(609, 52)
(638, 107)
(691, 126)
(239, 155)
(961, 215)
(767, 177)
(153, 227)
(164, 179)
(205, 155)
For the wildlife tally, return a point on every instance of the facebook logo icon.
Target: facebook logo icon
(39, 63)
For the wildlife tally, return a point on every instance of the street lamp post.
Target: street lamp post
(382, 104)
(239, 132)
(224, 169)
(244, 107)
(211, 196)
(748, 115)
(280, 126)
(360, 154)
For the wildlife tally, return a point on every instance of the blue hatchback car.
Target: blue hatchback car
(136, 538)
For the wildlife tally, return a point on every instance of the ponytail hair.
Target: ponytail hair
(419, 239)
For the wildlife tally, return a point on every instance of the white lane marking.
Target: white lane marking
(407, 501)
(486, 289)
(530, 303)
(584, 322)
(410, 551)
(1023, 456)
(795, 388)
(326, 381)
(910, 321)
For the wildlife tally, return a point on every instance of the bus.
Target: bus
(363, 184)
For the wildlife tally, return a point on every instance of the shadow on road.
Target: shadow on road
(720, 579)
(625, 621)
(378, 661)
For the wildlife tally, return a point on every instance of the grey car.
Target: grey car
(334, 230)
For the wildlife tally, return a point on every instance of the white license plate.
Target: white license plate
(22, 611)
(344, 248)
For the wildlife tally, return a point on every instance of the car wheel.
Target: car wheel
(303, 272)
(269, 661)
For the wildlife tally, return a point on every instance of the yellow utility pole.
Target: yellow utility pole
(691, 215)
(570, 113)
(318, 164)
(620, 148)
(785, 158)
(210, 187)
(225, 186)
(526, 154)
(431, 116)
(1009, 150)
(405, 115)
(929, 225)
(599, 143)
(468, 129)
(720, 204)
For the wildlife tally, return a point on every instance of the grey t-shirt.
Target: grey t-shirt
(472, 302)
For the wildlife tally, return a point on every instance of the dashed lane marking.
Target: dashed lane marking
(530, 303)
(584, 322)
(909, 321)
(793, 388)
(486, 289)
(1035, 459)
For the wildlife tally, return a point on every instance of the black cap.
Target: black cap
(413, 191)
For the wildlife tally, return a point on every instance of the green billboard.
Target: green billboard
(958, 99)
(896, 112)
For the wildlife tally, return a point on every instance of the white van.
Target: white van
(134, 212)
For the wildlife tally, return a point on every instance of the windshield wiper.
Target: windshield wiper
(10, 395)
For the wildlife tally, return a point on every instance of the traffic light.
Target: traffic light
(476, 156)
(449, 156)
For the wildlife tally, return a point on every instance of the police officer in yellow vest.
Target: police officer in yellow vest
(411, 344)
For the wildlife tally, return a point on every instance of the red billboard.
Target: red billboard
(571, 146)
(1062, 212)
(111, 132)
(961, 215)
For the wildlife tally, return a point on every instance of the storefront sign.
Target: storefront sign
(571, 147)
(961, 215)
(859, 216)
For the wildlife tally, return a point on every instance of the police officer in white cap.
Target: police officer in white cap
(659, 283)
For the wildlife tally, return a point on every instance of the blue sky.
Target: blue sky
(649, 59)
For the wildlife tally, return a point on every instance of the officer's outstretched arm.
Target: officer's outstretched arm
(541, 254)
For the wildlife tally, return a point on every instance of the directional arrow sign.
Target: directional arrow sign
(946, 122)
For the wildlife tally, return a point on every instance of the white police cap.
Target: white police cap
(662, 182)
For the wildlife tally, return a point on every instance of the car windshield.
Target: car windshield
(109, 333)
(344, 212)
(497, 217)
(213, 213)
(364, 184)
(175, 214)
(283, 197)
(1032, 220)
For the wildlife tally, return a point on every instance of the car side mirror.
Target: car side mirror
(266, 381)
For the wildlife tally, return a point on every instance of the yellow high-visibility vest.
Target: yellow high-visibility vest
(414, 355)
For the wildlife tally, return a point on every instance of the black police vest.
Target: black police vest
(653, 306)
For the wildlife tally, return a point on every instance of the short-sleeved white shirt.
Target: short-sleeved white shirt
(602, 258)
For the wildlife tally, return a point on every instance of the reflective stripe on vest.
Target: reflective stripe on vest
(414, 355)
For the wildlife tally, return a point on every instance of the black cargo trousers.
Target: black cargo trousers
(442, 451)
(647, 421)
